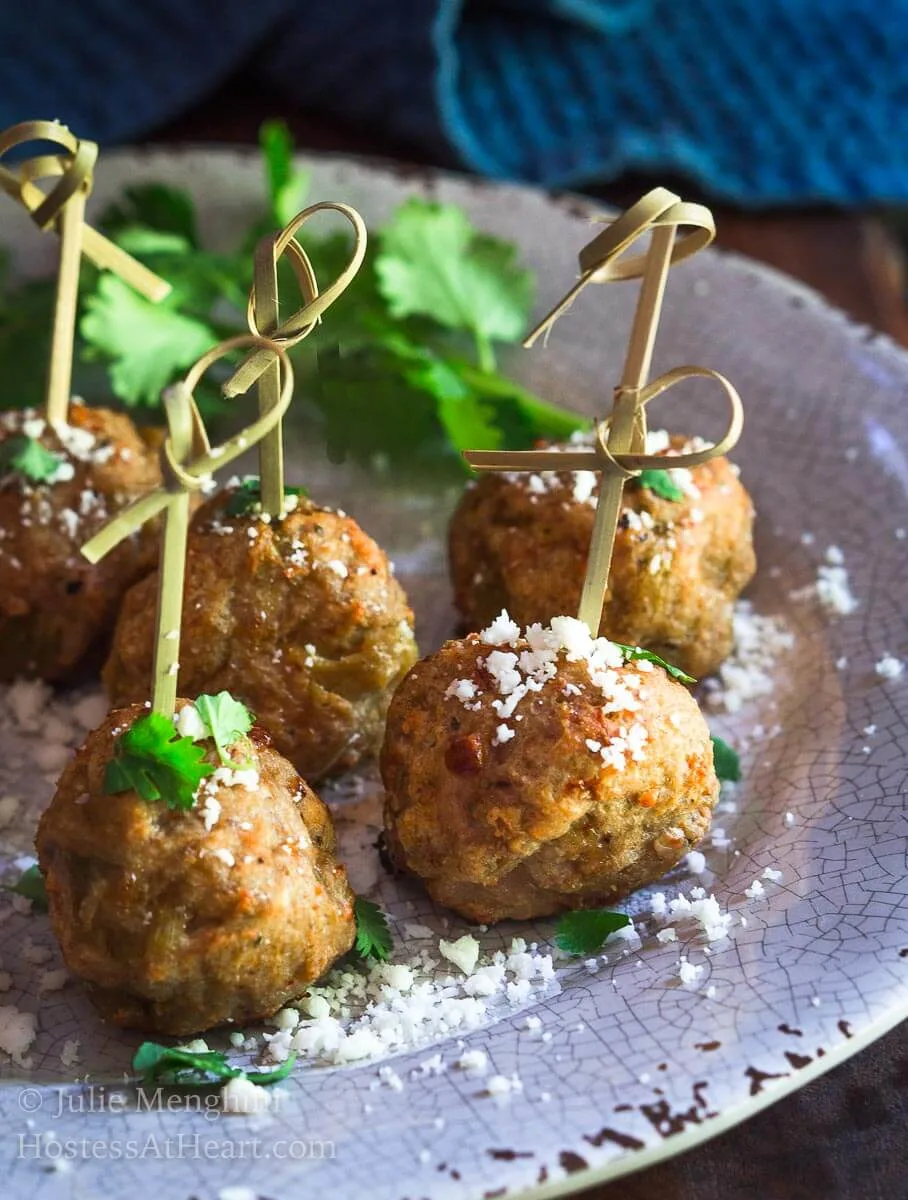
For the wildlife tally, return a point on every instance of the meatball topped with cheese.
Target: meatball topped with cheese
(184, 919)
(537, 771)
(300, 618)
(683, 553)
(58, 486)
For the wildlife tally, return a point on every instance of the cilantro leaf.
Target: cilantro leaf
(149, 344)
(584, 932)
(26, 456)
(31, 885)
(661, 483)
(225, 719)
(433, 262)
(287, 185)
(633, 653)
(171, 1065)
(725, 761)
(373, 937)
(247, 496)
(151, 759)
(156, 206)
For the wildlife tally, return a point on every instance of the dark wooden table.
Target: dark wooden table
(844, 1136)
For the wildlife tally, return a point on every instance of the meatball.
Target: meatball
(528, 774)
(181, 920)
(520, 541)
(301, 618)
(56, 609)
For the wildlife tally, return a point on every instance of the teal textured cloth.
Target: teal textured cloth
(758, 101)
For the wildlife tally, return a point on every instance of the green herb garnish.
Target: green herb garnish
(582, 933)
(433, 263)
(725, 761)
(404, 368)
(167, 1065)
(632, 653)
(153, 760)
(661, 483)
(225, 719)
(247, 497)
(30, 884)
(287, 185)
(373, 937)
(27, 457)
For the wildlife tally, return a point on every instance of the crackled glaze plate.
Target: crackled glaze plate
(635, 1066)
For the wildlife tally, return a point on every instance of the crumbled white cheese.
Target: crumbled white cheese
(755, 890)
(473, 1062)
(243, 1096)
(772, 875)
(502, 632)
(889, 667)
(188, 723)
(747, 674)
(17, 1032)
(503, 1085)
(464, 953)
(696, 862)
(503, 733)
(688, 972)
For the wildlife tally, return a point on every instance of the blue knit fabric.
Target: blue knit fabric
(757, 101)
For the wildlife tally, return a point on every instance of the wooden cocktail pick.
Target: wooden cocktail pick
(619, 452)
(187, 464)
(63, 208)
(263, 316)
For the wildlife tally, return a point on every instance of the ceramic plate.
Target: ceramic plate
(627, 1064)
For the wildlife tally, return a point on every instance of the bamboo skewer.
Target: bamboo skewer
(63, 208)
(619, 452)
(187, 463)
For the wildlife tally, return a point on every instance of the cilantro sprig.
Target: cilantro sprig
(26, 456)
(153, 760)
(661, 483)
(405, 368)
(30, 884)
(172, 1066)
(246, 498)
(633, 653)
(726, 761)
(373, 937)
(583, 933)
(225, 720)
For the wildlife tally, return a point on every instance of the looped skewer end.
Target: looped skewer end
(291, 331)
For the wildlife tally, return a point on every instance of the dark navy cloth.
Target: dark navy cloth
(758, 101)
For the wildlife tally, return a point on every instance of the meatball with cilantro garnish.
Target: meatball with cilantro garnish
(683, 552)
(300, 617)
(58, 486)
(531, 772)
(190, 871)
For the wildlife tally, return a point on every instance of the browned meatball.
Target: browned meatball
(301, 618)
(56, 609)
(180, 920)
(520, 542)
(598, 781)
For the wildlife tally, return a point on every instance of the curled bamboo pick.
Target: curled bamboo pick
(263, 317)
(63, 208)
(619, 452)
(187, 463)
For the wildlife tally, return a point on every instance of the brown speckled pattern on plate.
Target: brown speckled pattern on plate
(637, 1066)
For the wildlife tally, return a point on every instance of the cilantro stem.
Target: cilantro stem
(485, 353)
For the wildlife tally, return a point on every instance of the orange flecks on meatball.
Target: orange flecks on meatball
(520, 541)
(566, 779)
(300, 618)
(180, 920)
(56, 609)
